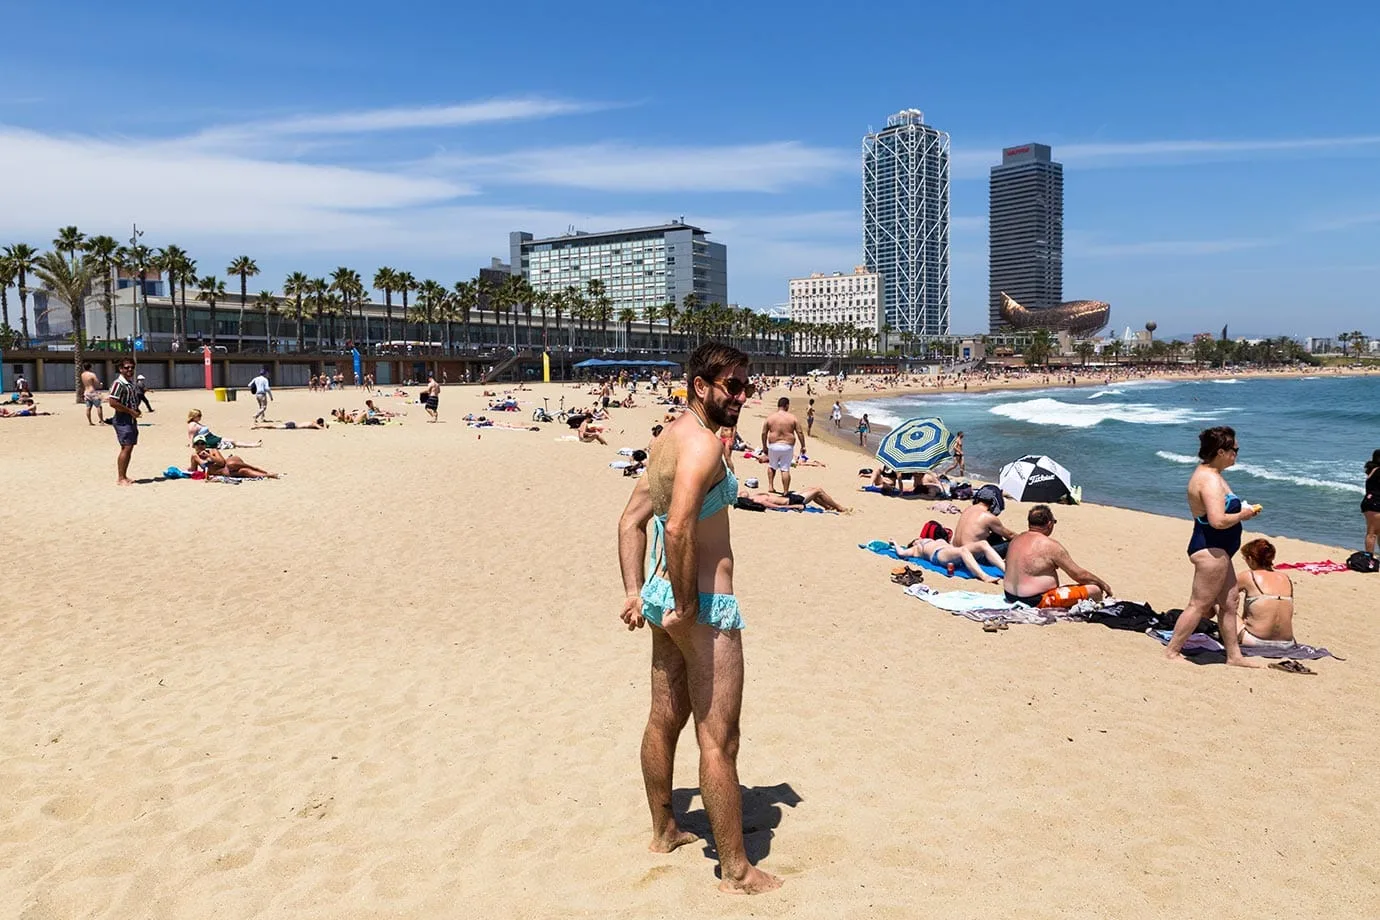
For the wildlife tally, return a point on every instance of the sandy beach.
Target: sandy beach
(394, 684)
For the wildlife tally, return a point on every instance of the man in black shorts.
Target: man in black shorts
(124, 401)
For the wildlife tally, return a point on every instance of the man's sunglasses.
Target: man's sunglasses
(735, 387)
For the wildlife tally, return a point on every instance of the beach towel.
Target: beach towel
(1201, 642)
(1326, 567)
(982, 608)
(807, 509)
(883, 548)
(176, 472)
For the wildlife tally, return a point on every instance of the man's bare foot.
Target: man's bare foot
(671, 840)
(755, 881)
(1244, 662)
(124, 482)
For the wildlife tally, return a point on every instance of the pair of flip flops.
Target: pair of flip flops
(995, 626)
(907, 575)
(1292, 667)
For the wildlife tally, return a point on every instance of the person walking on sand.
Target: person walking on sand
(837, 414)
(1370, 504)
(432, 400)
(141, 393)
(125, 421)
(780, 432)
(810, 420)
(685, 590)
(1217, 517)
(864, 426)
(262, 392)
(91, 394)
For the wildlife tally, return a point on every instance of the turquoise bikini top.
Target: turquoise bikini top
(720, 496)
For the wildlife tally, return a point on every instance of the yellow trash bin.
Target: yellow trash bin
(221, 395)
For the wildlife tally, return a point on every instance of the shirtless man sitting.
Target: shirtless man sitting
(979, 521)
(780, 431)
(1032, 568)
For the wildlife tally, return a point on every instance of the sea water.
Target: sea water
(1304, 442)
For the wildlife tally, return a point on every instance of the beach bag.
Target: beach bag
(933, 530)
(1362, 562)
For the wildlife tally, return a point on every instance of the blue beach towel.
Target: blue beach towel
(808, 509)
(883, 548)
(176, 472)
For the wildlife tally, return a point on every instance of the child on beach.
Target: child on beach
(864, 427)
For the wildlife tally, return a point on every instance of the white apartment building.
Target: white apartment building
(854, 299)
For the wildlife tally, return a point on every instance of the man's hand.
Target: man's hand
(632, 612)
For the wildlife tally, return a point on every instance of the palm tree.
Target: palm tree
(403, 282)
(296, 286)
(626, 317)
(316, 288)
(386, 280)
(465, 295)
(543, 300)
(212, 291)
(186, 274)
(138, 260)
(570, 300)
(1084, 349)
(669, 313)
(1344, 338)
(169, 260)
(104, 253)
(268, 305)
(431, 298)
(22, 258)
(69, 240)
(347, 283)
(68, 280)
(246, 269)
(7, 275)
(1358, 339)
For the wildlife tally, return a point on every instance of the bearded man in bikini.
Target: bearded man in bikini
(685, 590)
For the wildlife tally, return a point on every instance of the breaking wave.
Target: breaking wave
(1263, 472)
(1072, 415)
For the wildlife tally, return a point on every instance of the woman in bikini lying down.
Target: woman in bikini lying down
(942, 552)
(217, 464)
(1267, 599)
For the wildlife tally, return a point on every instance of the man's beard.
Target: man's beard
(723, 415)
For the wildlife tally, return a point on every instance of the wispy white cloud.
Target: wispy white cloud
(1166, 248)
(613, 167)
(396, 118)
(971, 163)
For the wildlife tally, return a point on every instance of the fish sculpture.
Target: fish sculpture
(1080, 317)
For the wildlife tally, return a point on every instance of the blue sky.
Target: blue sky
(1222, 161)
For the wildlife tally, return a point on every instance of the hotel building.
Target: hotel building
(1025, 232)
(855, 299)
(640, 267)
(906, 221)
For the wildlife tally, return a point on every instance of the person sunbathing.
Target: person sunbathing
(195, 429)
(294, 426)
(371, 410)
(217, 464)
(26, 409)
(943, 553)
(589, 433)
(924, 483)
(1267, 599)
(791, 501)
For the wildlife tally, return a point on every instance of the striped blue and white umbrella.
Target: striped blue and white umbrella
(916, 444)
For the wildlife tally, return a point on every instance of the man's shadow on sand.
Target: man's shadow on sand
(761, 817)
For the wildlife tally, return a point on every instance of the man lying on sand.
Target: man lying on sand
(295, 426)
(1032, 568)
(791, 501)
(217, 464)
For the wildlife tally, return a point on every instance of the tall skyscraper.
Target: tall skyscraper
(1025, 231)
(906, 221)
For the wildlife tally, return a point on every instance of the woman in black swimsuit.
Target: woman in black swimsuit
(1217, 518)
(1370, 505)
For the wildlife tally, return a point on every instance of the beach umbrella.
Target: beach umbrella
(1036, 478)
(916, 444)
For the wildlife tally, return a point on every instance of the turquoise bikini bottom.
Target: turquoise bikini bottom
(717, 610)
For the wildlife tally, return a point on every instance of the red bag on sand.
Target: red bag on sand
(933, 530)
